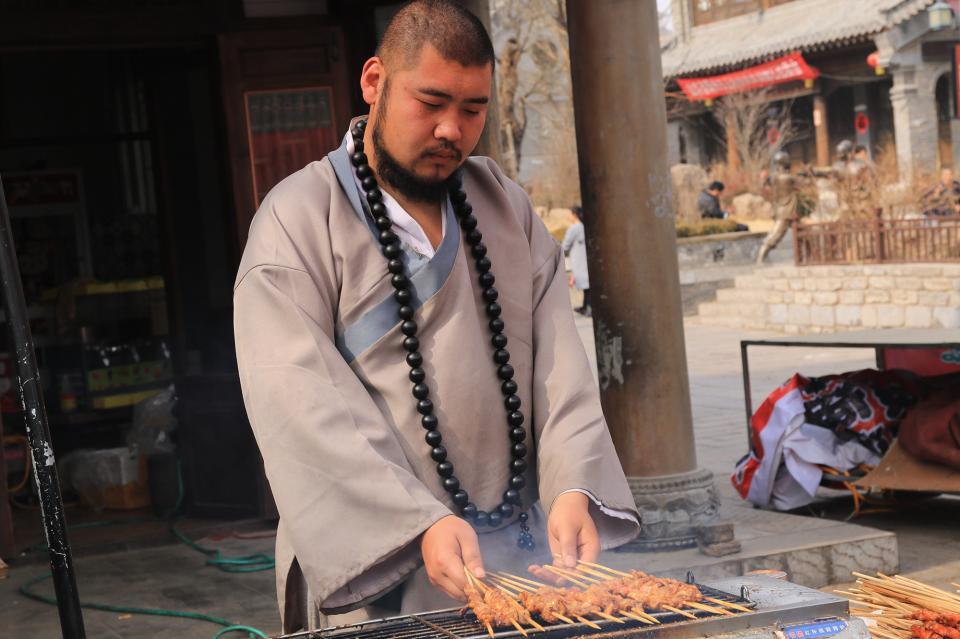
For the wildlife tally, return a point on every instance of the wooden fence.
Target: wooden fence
(929, 239)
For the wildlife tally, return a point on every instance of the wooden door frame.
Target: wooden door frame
(240, 74)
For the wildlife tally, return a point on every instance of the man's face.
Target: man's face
(431, 118)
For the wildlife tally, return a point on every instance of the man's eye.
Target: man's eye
(471, 112)
(430, 105)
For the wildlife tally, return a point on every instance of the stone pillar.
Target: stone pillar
(821, 130)
(632, 257)
(860, 106)
(489, 143)
(914, 120)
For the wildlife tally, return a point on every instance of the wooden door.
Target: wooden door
(287, 103)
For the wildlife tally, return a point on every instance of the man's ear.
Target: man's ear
(371, 79)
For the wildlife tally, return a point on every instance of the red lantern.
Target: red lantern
(861, 123)
(873, 59)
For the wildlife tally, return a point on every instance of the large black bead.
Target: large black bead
(483, 264)
(461, 498)
(518, 450)
(403, 296)
(495, 518)
(465, 208)
(499, 340)
(518, 466)
(511, 496)
(511, 402)
(518, 434)
(469, 511)
(433, 437)
(399, 281)
(380, 211)
(387, 237)
(509, 387)
(405, 312)
(414, 360)
(395, 266)
(361, 124)
(425, 407)
(357, 134)
(359, 158)
(411, 344)
(430, 422)
(445, 469)
(392, 251)
(417, 375)
(408, 327)
(364, 171)
(451, 484)
(490, 294)
(515, 418)
(497, 325)
(457, 196)
(473, 237)
(438, 454)
(468, 222)
(421, 391)
(506, 510)
(374, 196)
(486, 279)
(368, 182)
(479, 250)
(383, 223)
(518, 482)
(481, 518)
(494, 310)
(505, 372)
(501, 356)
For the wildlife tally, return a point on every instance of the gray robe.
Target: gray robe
(326, 390)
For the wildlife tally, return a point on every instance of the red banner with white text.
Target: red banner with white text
(789, 68)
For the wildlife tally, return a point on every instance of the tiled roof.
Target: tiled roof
(802, 25)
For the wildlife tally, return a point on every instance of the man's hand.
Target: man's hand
(448, 546)
(571, 533)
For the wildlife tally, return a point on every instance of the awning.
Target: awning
(789, 68)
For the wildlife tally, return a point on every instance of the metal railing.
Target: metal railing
(878, 240)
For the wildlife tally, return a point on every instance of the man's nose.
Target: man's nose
(448, 129)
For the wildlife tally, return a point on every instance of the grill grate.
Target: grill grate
(449, 624)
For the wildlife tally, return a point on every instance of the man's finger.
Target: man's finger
(470, 552)
(452, 578)
(589, 546)
(567, 546)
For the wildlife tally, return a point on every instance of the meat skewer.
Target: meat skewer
(493, 607)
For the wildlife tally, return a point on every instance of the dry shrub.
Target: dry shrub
(881, 187)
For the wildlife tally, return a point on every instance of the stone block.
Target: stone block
(789, 296)
(848, 315)
(884, 283)
(919, 317)
(781, 285)
(773, 297)
(827, 298)
(799, 314)
(947, 316)
(876, 297)
(791, 329)
(949, 270)
(810, 284)
(909, 283)
(715, 533)
(777, 313)
(890, 315)
(822, 315)
(855, 283)
(868, 316)
(874, 269)
(870, 556)
(899, 296)
(803, 297)
(830, 284)
(938, 284)
(796, 284)
(917, 270)
(851, 297)
(808, 567)
(933, 298)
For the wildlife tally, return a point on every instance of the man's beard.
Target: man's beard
(405, 181)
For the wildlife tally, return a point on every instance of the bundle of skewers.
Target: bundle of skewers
(902, 608)
(603, 593)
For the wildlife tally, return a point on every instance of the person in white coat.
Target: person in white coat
(575, 246)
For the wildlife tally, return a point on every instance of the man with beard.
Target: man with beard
(409, 360)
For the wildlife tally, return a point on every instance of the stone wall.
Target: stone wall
(817, 299)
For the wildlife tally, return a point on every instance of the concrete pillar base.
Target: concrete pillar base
(673, 508)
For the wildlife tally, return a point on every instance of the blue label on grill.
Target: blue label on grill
(815, 629)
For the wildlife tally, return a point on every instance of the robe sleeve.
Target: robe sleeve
(348, 498)
(574, 448)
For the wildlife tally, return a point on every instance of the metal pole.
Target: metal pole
(38, 432)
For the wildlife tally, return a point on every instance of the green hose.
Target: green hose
(247, 563)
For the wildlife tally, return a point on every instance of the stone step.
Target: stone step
(728, 321)
(736, 295)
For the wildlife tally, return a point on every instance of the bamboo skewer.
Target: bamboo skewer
(485, 588)
(680, 612)
(728, 604)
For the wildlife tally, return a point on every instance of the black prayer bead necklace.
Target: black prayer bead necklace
(392, 251)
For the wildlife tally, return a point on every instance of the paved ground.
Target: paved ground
(176, 577)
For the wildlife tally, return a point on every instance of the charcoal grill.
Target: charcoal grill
(779, 610)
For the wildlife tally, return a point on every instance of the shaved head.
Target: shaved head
(454, 32)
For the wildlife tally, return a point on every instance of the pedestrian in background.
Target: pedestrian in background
(575, 246)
